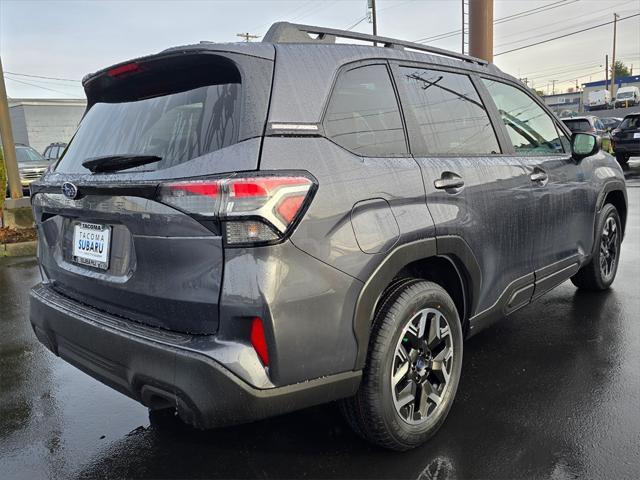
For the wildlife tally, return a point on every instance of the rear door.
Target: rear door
(474, 190)
(108, 239)
(564, 208)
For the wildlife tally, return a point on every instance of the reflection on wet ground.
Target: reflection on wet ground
(552, 392)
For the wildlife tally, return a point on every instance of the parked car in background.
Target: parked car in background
(241, 230)
(590, 124)
(598, 100)
(626, 138)
(627, 97)
(31, 165)
(54, 151)
(611, 123)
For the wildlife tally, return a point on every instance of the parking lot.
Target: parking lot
(552, 392)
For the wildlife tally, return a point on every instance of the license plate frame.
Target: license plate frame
(91, 244)
(636, 135)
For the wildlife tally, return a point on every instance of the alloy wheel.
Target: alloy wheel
(608, 248)
(422, 364)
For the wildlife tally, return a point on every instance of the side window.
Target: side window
(599, 125)
(47, 153)
(363, 114)
(450, 114)
(531, 129)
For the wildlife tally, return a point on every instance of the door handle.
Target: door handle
(448, 181)
(539, 176)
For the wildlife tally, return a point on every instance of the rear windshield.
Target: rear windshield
(177, 110)
(28, 154)
(631, 122)
(578, 125)
(176, 127)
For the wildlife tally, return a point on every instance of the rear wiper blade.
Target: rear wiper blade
(113, 163)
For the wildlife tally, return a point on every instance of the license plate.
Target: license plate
(636, 135)
(91, 243)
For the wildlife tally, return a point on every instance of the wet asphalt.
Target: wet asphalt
(551, 392)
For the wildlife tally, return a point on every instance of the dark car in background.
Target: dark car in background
(590, 124)
(54, 151)
(241, 230)
(626, 138)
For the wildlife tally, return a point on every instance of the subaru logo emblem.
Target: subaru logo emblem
(69, 190)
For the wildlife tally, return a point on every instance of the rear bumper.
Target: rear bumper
(630, 148)
(153, 367)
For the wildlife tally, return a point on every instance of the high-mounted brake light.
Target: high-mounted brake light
(253, 209)
(122, 69)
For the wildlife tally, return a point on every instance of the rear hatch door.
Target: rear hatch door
(105, 238)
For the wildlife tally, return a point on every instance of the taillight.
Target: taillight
(253, 210)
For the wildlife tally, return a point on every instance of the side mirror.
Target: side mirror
(584, 145)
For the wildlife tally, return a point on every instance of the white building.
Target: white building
(39, 122)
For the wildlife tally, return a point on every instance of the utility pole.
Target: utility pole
(373, 16)
(371, 12)
(247, 36)
(8, 147)
(606, 72)
(553, 87)
(481, 29)
(613, 56)
(462, 49)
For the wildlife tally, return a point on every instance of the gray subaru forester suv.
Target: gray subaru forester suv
(241, 230)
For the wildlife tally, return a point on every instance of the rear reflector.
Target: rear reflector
(259, 341)
(254, 209)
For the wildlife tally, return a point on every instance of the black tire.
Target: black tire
(622, 158)
(373, 412)
(593, 276)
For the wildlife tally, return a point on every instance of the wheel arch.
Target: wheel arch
(448, 262)
(618, 199)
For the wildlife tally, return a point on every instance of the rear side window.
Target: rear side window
(363, 114)
(450, 114)
(531, 129)
(578, 125)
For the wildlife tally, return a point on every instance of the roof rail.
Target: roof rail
(285, 32)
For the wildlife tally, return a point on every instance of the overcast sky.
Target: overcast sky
(67, 39)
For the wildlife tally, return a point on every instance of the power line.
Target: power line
(565, 35)
(41, 76)
(358, 22)
(293, 11)
(563, 29)
(39, 86)
(508, 18)
(564, 22)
